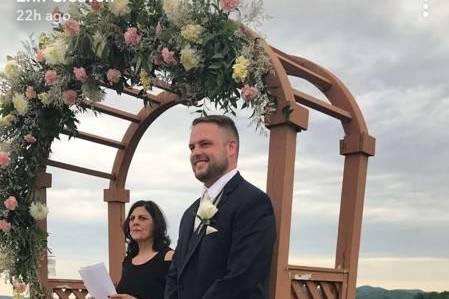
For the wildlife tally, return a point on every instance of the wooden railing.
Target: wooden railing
(317, 283)
(67, 289)
(306, 282)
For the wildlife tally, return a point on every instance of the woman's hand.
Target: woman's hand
(121, 296)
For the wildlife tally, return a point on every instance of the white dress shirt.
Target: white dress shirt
(215, 190)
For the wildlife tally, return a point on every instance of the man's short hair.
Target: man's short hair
(220, 120)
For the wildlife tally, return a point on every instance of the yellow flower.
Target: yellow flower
(4, 100)
(20, 104)
(119, 7)
(12, 70)
(145, 80)
(7, 120)
(189, 58)
(55, 52)
(44, 98)
(192, 32)
(43, 40)
(240, 69)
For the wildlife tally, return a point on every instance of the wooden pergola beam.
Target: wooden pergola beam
(319, 105)
(97, 139)
(137, 94)
(79, 169)
(112, 111)
(292, 68)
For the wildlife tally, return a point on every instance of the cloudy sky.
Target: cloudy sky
(391, 54)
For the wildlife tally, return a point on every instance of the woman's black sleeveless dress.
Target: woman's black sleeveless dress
(145, 281)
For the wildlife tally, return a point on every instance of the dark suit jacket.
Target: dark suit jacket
(232, 263)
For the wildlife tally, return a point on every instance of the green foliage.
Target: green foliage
(433, 295)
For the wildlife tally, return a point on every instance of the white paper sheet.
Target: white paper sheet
(97, 281)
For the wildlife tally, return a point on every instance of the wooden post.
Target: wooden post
(43, 181)
(281, 168)
(116, 199)
(356, 149)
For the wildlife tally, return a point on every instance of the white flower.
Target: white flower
(119, 7)
(11, 70)
(173, 11)
(20, 104)
(189, 58)
(55, 52)
(206, 210)
(38, 210)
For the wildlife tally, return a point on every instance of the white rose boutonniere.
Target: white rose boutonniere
(206, 212)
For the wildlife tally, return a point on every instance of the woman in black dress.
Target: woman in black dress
(148, 254)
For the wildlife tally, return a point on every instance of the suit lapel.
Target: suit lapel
(228, 188)
(187, 248)
(187, 229)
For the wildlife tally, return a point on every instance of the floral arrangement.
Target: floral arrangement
(193, 45)
(206, 211)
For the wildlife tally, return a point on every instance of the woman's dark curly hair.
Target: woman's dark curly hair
(160, 237)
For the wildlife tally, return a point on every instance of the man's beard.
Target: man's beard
(213, 171)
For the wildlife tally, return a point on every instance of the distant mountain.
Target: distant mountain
(368, 292)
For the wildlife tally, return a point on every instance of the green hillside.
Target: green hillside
(368, 292)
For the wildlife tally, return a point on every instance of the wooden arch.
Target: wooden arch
(287, 281)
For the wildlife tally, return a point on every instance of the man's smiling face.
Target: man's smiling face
(209, 152)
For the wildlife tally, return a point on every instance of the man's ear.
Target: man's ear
(232, 147)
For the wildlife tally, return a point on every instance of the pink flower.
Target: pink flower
(40, 56)
(158, 28)
(96, 6)
(4, 159)
(168, 56)
(5, 226)
(29, 138)
(113, 75)
(132, 38)
(228, 5)
(11, 203)
(30, 93)
(80, 74)
(51, 77)
(69, 97)
(72, 27)
(249, 93)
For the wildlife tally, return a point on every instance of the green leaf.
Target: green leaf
(138, 64)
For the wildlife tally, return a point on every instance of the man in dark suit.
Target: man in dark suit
(226, 237)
